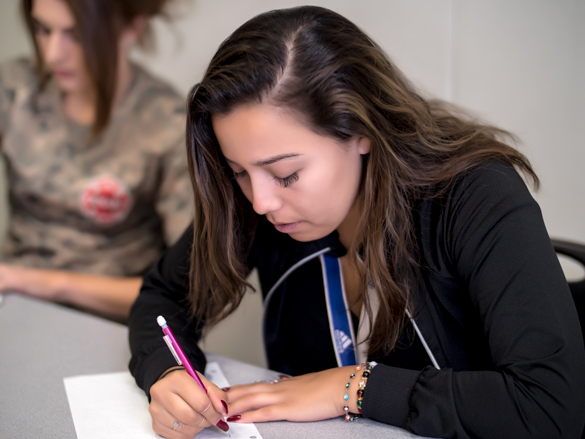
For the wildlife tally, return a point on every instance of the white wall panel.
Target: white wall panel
(414, 32)
(13, 40)
(520, 65)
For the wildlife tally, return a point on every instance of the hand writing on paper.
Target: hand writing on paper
(310, 397)
(180, 408)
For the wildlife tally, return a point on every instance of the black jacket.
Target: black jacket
(492, 305)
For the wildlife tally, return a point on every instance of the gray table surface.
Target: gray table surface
(41, 343)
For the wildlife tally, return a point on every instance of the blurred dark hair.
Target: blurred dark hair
(326, 71)
(99, 25)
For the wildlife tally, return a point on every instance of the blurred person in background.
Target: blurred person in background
(94, 148)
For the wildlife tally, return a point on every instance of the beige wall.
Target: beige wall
(516, 63)
(12, 43)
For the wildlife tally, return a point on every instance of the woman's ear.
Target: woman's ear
(364, 145)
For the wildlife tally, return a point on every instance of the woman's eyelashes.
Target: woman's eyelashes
(287, 181)
(40, 30)
(283, 182)
(236, 175)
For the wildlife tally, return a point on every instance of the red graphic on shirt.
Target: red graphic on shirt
(106, 200)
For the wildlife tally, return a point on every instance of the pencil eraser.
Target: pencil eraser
(161, 321)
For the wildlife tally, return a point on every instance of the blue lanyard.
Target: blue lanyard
(338, 311)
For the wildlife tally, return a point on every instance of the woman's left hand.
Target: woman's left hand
(310, 397)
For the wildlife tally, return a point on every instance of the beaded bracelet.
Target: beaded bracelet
(350, 417)
(362, 384)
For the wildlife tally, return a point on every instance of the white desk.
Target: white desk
(41, 343)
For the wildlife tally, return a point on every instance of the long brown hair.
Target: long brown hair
(99, 25)
(323, 68)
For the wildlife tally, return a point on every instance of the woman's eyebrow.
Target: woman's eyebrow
(37, 22)
(271, 160)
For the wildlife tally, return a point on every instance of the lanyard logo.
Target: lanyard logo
(342, 341)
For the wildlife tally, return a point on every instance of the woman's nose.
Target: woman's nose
(55, 48)
(264, 197)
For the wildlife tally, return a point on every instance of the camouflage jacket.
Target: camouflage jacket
(106, 206)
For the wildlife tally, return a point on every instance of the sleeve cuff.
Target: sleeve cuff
(387, 394)
(160, 360)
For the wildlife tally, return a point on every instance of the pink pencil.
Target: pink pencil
(178, 353)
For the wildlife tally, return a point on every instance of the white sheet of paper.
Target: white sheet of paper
(111, 406)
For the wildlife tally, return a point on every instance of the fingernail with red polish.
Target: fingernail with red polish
(221, 424)
(225, 406)
(283, 377)
(225, 389)
(234, 418)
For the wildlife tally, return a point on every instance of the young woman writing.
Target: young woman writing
(406, 270)
(94, 146)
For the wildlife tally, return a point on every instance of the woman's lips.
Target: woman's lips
(286, 227)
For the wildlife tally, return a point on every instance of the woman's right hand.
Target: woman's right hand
(180, 408)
